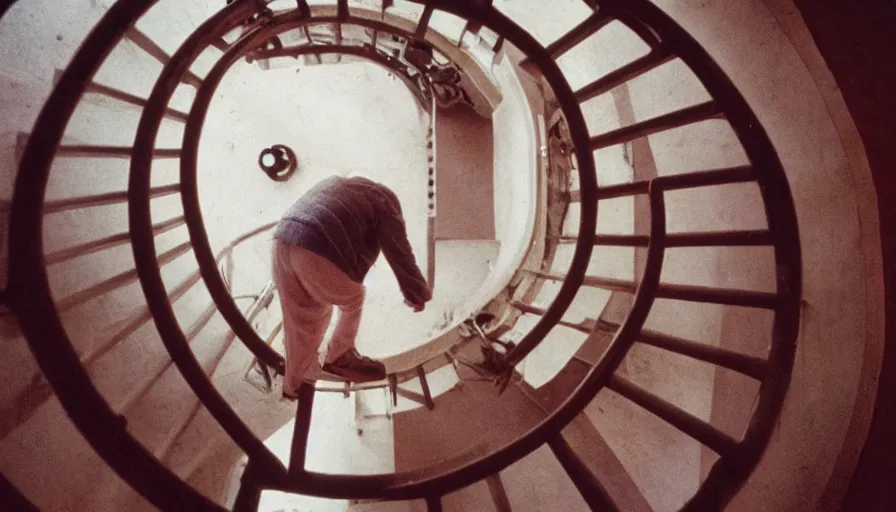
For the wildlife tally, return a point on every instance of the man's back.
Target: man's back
(348, 221)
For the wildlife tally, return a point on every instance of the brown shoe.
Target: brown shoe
(354, 367)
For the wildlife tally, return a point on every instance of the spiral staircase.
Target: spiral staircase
(598, 333)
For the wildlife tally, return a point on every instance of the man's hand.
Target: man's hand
(416, 307)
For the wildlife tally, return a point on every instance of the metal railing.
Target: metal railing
(29, 295)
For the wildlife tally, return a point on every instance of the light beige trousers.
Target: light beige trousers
(309, 286)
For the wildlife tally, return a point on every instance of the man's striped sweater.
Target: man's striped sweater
(348, 221)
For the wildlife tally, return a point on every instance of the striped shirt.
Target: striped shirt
(348, 221)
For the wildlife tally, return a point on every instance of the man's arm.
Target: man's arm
(393, 240)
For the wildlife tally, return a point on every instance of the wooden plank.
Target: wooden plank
(301, 429)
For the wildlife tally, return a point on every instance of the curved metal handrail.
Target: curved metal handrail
(370, 54)
(279, 23)
(170, 77)
(729, 473)
(29, 295)
(144, 248)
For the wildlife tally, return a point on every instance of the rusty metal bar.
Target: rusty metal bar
(654, 59)
(683, 117)
(744, 298)
(393, 388)
(427, 396)
(90, 151)
(366, 52)
(301, 429)
(706, 434)
(587, 28)
(711, 177)
(499, 45)
(411, 395)
(585, 327)
(220, 44)
(593, 281)
(248, 497)
(594, 492)
(415, 484)
(643, 30)
(30, 288)
(707, 178)
(720, 238)
(471, 27)
(149, 46)
(107, 242)
(116, 281)
(748, 365)
(423, 23)
(263, 301)
(75, 203)
(622, 190)
(199, 237)
(126, 97)
(609, 240)
(729, 297)
(360, 484)
(304, 10)
(757, 237)
(498, 492)
(37, 393)
(265, 371)
(342, 9)
(433, 503)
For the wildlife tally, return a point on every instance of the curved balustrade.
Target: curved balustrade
(29, 294)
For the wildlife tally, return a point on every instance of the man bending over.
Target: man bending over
(323, 247)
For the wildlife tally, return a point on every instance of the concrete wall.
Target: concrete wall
(515, 176)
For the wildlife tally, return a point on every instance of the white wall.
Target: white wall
(515, 181)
